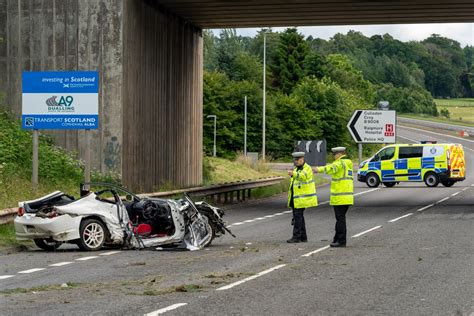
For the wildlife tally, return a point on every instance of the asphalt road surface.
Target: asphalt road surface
(410, 253)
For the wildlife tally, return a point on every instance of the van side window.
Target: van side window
(385, 154)
(410, 152)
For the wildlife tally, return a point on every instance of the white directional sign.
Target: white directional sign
(373, 126)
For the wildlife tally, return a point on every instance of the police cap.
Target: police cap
(298, 154)
(338, 149)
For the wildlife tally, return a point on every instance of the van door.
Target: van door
(386, 164)
(408, 164)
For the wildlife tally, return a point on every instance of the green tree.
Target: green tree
(288, 62)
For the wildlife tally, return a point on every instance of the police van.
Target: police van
(430, 163)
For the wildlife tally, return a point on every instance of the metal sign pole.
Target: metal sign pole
(264, 92)
(360, 153)
(34, 175)
(245, 126)
(87, 167)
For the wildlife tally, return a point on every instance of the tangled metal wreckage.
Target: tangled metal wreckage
(102, 218)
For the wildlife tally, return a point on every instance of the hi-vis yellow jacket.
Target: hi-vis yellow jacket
(342, 183)
(304, 189)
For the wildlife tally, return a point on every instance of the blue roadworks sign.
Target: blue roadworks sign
(60, 100)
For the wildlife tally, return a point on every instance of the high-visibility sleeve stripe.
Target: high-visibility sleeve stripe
(344, 178)
(302, 183)
(303, 196)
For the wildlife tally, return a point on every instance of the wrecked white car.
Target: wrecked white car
(102, 218)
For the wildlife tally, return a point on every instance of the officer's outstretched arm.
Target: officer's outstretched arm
(329, 168)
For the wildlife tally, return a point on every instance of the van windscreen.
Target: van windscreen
(410, 152)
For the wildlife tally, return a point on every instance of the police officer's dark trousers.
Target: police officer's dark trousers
(341, 231)
(299, 226)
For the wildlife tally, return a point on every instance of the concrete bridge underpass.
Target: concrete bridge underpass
(150, 57)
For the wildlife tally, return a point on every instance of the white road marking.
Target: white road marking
(367, 231)
(396, 219)
(425, 207)
(32, 270)
(87, 258)
(368, 191)
(166, 309)
(3, 277)
(109, 253)
(289, 212)
(60, 264)
(444, 135)
(250, 278)
(315, 251)
(454, 194)
(410, 139)
(442, 200)
(465, 188)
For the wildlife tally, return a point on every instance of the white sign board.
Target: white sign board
(60, 100)
(373, 126)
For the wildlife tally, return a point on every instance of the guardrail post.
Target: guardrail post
(231, 197)
(243, 195)
(238, 196)
(226, 197)
(249, 196)
(219, 198)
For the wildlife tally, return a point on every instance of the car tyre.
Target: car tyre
(389, 184)
(431, 179)
(48, 245)
(213, 227)
(373, 180)
(92, 235)
(448, 183)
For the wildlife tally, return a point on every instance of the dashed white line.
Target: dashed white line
(425, 207)
(166, 309)
(367, 231)
(454, 194)
(444, 135)
(32, 270)
(442, 200)
(250, 278)
(398, 218)
(60, 264)
(315, 251)
(3, 277)
(109, 253)
(87, 258)
(365, 192)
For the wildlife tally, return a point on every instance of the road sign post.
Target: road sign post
(60, 100)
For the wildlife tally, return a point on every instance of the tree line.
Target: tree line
(314, 85)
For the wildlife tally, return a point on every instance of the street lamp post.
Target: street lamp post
(264, 94)
(245, 126)
(215, 125)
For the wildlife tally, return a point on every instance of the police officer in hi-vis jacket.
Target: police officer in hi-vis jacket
(342, 191)
(301, 195)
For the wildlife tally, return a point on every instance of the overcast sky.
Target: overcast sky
(461, 32)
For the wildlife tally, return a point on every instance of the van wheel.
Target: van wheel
(373, 180)
(431, 179)
(389, 184)
(92, 235)
(448, 183)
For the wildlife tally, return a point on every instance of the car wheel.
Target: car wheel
(373, 180)
(448, 183)
(389, 184)
(431, 179)
(49, 245)
(92, 235)
(213, 227)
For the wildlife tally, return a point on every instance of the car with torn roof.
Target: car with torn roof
(103, 218)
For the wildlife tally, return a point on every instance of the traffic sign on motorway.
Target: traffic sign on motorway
(373, 126)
